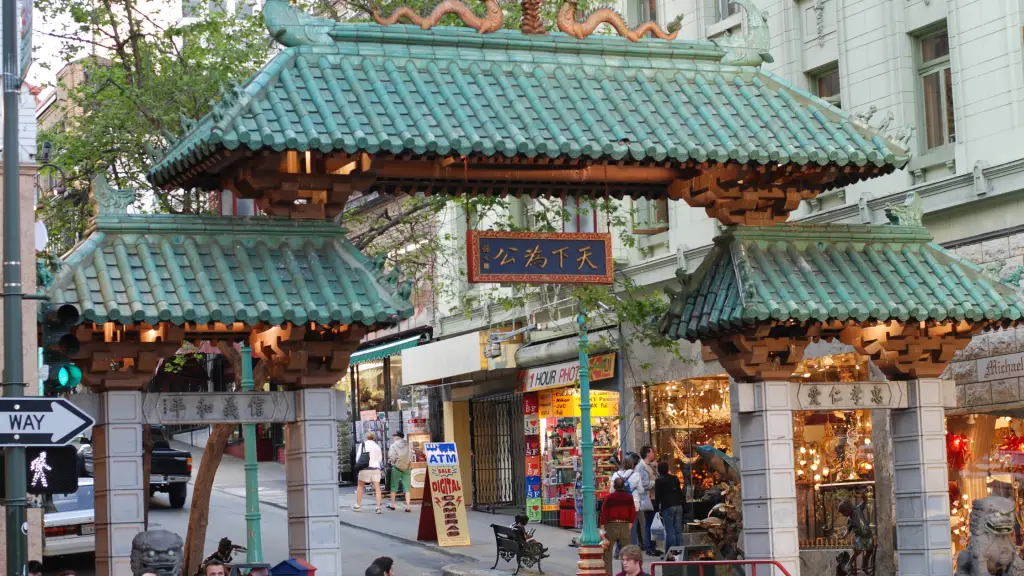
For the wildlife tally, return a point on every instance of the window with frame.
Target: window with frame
(936, 89)
(580, 216)
(725, 8)
(646, 11)
(826, 86)
(650, 216)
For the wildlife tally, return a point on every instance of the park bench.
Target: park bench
(511, 543)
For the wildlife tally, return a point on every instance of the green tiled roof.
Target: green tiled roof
(832, 272)
(400, 89)
(219, 269)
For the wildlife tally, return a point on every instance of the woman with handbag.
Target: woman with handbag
(369, 458)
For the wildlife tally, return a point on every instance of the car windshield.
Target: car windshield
(80, 500)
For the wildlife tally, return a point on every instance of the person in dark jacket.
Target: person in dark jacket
(618, 512)
(668, 500)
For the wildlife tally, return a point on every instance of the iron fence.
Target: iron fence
(499, 452)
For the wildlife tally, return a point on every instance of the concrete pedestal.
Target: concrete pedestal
(763, 441)
(119, 491)
(312, 477)
(922, 497)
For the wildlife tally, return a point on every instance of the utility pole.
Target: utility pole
(13, 375)
(254, 541)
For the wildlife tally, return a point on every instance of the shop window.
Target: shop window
(650, 216)
(826, 86)
(645, 11)
(370, 386)
(936, 86)
(400, 395)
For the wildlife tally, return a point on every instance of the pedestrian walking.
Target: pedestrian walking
(400, 459)
(668, 501)
(647, 477)
(369, 458)
(632, 562)
(631, 478)
(618, 513)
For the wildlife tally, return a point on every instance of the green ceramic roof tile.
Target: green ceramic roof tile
(219, 269)
(399, 89)
(833, 272)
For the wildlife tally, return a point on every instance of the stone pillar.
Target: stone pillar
(119, 492)
(763, 441)
(885, 503)
(311, 470)
(922, 496)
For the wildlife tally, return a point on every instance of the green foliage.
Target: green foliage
(152, 75)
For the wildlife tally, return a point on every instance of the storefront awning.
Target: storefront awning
(384, 350)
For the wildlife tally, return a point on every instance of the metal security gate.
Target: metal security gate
(499, 467)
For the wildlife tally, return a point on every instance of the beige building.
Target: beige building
(55, 107)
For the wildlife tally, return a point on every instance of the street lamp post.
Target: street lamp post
(591, 554)
(253, 539)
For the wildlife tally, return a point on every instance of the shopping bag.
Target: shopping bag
(657, 528)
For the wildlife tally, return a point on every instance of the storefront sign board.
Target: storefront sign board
(565, 403)
(602, 367)
(446, 492)
(999, 367)
(539, 257)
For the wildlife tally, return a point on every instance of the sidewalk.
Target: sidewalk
(399, 525)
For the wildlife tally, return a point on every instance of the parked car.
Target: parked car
(68, 522)
(169, 470)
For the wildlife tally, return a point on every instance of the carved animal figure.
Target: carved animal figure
(111, 201)
(581, 29)
(157, 551)
(907, 214)
(492, 20)
(752, 48)
(532, 23)
(291, 27)
(903, 135)
(864, 117)
(727, 467)
(992, 551)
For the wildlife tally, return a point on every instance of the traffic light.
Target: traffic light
(59, 345)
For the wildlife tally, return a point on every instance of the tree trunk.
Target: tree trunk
(198, 516)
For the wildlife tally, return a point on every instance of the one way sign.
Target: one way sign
(40, 421)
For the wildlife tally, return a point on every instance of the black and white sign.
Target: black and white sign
(40, 422)
(218, 407)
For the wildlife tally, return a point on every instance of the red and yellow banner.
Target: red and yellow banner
(565, 403)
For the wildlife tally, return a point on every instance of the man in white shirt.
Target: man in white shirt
(370, 472)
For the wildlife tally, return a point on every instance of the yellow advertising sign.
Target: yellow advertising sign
(446, 493)
(565, 403)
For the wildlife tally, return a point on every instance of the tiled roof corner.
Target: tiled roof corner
(218, 269)
(834, 272)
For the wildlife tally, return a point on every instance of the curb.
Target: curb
(480, 568)
(424, 545)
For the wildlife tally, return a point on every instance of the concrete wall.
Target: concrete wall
(28, 278)
(456, 429)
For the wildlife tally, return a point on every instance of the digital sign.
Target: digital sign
(50, 470)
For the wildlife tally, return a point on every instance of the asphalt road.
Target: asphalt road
(227, 518)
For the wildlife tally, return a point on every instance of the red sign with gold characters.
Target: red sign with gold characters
(446, 494)
(540, 257)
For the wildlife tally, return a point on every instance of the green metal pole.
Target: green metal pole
(254, 542)
(590, 536)
(13, 376)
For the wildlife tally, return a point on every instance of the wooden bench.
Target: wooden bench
(510, 544)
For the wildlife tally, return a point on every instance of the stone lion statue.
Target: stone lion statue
(991, 551)
(157, 551)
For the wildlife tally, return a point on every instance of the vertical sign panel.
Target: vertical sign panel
(446, 492)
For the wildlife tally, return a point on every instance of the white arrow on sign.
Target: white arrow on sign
(40, 421)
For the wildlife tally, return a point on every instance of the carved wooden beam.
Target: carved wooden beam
(911, 350)
(762, 353)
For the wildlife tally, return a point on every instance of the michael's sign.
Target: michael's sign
(999, 367)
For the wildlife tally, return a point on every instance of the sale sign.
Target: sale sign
(446, 493)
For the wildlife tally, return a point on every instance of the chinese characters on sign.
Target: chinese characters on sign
(850, 395)
(540, 257)
(219, 407)
(446, 493)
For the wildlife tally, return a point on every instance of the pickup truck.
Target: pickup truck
(170, 469)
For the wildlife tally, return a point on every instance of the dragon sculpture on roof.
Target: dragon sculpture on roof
(492, 20)
(581, 28)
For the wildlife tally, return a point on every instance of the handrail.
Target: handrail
(753, 563)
